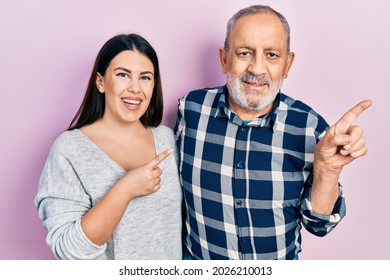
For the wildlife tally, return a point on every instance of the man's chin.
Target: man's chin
(259, 105)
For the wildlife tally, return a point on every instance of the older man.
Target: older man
(256, 164)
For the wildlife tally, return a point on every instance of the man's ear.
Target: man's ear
(100, 83)
(290, 60)
(222, 59)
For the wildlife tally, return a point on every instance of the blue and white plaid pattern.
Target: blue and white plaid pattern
(247, 186)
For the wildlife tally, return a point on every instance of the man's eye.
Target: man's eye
(272, 55)
(244, 54)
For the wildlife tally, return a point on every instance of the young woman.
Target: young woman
(110, 188)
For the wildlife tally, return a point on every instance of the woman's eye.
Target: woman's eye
(146, 78)
(123, 75)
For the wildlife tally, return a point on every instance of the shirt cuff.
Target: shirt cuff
(320, 224)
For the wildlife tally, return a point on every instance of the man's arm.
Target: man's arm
(342, 144)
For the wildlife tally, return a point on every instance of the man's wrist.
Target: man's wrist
(326, 171)
(324, 191)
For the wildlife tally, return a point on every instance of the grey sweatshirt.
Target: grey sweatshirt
(77, 174)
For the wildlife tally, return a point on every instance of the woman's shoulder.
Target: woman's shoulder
(163, 130)
(67, 141)
(164, 136)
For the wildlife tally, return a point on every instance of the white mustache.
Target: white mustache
(254, 79)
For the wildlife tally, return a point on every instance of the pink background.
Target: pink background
(47, 49)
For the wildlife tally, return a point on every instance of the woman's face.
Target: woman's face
(128, 86)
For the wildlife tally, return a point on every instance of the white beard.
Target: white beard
(242, 96)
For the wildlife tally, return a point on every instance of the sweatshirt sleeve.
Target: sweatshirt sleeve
(62, 202)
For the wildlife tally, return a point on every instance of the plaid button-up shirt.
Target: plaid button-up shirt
(247, 184)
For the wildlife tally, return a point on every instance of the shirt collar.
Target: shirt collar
(268, 120)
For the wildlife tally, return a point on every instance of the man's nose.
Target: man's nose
(258, 65)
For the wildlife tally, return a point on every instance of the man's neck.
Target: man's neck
(246, 114)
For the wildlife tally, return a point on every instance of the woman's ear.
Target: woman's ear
(100, 83)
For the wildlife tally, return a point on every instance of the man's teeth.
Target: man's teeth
(131, 101)
(257, 84)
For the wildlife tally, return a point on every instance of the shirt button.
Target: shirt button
(244, 240)
(243, 129)
(240, 164)
(239, 202)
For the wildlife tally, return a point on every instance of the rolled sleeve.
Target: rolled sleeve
(321, 225)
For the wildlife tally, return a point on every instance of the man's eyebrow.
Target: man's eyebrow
(272, 49)
(245, 47)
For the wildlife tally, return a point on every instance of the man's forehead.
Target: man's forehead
(259, 20)
(261, 28)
